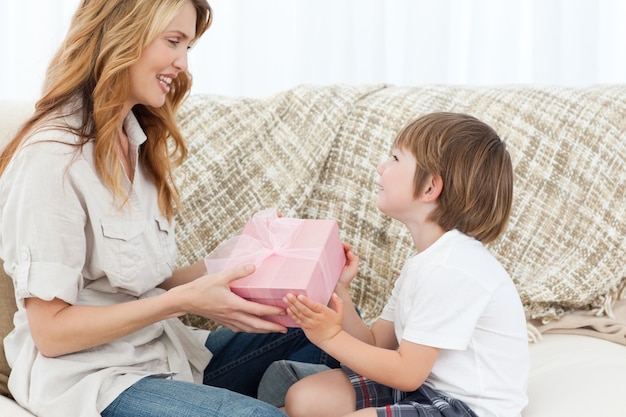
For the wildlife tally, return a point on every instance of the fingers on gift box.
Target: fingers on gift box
(298, 256)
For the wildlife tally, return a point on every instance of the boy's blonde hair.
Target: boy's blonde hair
(475, 168)
(89, 76)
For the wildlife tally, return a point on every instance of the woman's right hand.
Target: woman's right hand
(210, 296)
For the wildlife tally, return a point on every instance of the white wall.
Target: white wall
(259, 47)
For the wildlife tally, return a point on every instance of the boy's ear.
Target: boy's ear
(432, 189)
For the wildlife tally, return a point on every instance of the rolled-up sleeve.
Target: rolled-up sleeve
(43, 221)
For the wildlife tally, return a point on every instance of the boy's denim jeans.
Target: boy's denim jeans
(238, 364)
(283, 374)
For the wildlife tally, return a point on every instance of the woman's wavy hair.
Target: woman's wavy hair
(89, 75)
(475, 168)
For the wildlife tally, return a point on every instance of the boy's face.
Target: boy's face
(396, 192)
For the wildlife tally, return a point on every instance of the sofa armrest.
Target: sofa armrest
(12, 114)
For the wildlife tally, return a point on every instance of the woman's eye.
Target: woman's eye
(174, 42)
(395, 158)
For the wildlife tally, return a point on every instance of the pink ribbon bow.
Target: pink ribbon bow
(267, 235)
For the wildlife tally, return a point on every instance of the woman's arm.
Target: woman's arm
(59, 328)
(184, 275)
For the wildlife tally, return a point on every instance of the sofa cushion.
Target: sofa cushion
(7, 310)
(574, 375)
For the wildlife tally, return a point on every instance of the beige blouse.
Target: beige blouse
(62, 235)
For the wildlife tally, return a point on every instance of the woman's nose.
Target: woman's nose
(181, 62)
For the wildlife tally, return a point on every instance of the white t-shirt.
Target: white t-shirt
(63, 236)
(456, 296)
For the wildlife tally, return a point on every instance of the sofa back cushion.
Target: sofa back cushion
(7, 310)
(13, 113)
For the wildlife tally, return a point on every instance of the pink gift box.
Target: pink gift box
(291, 255)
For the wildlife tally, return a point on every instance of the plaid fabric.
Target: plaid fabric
(389, 402)
(369, 393)
(312, 152)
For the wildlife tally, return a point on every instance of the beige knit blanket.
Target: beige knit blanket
(588, 323)
(312, 152)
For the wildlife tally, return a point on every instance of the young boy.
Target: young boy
(451, 341)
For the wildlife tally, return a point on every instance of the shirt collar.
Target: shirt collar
(134, 131)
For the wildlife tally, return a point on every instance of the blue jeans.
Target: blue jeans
(238, 364)
(281, 375)
(158, 397)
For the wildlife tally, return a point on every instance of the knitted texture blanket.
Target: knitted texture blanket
(312, 152)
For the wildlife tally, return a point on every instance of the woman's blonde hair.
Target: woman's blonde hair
(89, 75)
(475, 168)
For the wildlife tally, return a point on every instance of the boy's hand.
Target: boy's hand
(319, 322)
(350, 270)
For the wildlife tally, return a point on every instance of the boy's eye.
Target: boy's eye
(394, 157)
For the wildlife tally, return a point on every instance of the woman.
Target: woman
(87, 236)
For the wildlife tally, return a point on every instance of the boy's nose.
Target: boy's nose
(380, 168)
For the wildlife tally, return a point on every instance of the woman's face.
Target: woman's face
(162, 60)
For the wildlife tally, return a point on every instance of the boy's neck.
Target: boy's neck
(425, 235)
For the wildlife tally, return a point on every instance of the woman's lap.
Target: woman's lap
(158, 397)
(238, 364)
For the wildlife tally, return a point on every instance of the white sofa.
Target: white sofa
(571, 374)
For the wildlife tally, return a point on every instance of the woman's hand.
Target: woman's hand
(210, 296)
(319, 322)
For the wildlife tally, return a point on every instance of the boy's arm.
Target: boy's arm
(352, 322)
(405, 368)
(382, 332)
